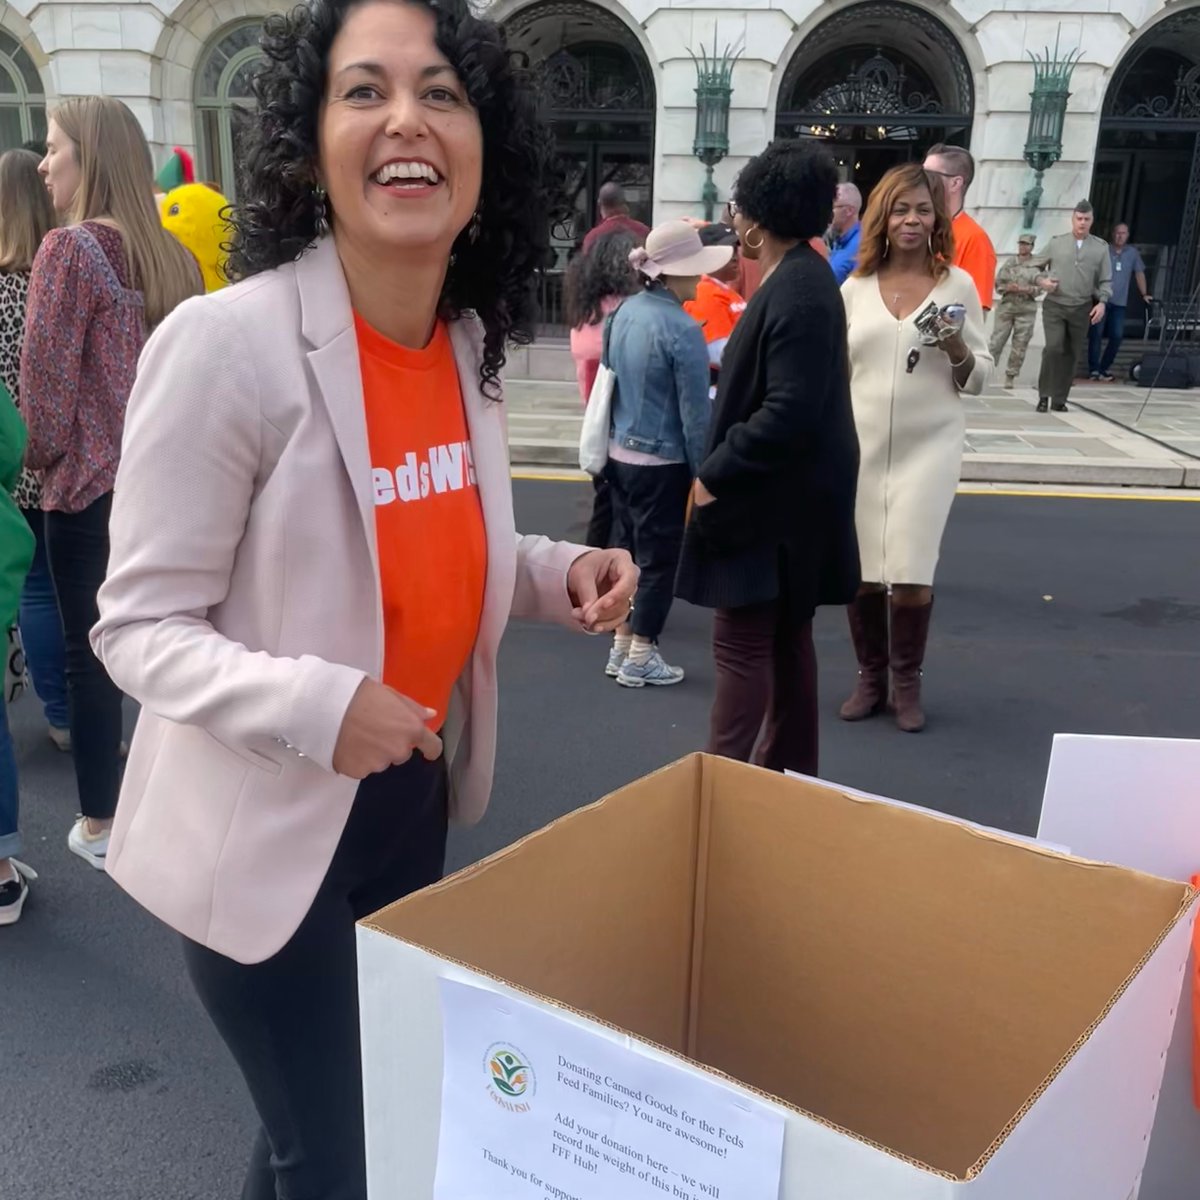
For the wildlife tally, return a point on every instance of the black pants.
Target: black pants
(600, 526)
(1113, 328)
(649, 509)
(77, 546)
(292, 1021)
(766, 669)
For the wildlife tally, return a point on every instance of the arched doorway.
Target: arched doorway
(223, 96)
(1148, 158)
(597, 91)
(879, 83)
(22, 96)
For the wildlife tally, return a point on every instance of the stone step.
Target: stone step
(549, 359)
(533, 450)
(554, 397)
(1006, 441)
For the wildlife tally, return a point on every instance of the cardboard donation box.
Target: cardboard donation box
(722, 982)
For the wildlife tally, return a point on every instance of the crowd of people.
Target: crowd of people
(1084, 283)
(278, 515)
(914, 247)
(86, 271)
(756, 504)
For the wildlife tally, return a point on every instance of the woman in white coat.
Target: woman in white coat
(313, 549)
(910, 424)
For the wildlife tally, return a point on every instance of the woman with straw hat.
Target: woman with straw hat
(661, 414)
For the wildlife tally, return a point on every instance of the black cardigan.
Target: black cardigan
(782, 456)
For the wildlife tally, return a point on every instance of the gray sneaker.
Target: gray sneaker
(653, 672)
(615, 659)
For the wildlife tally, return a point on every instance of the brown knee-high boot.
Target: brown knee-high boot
(869, 631)
(910, 632)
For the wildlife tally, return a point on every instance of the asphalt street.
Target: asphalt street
(1053, 614)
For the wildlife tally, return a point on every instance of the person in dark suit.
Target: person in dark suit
(771, 535)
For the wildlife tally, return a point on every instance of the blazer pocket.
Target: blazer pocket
(244, 754)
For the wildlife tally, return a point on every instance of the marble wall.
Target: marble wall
(996, 37)
(148, 54)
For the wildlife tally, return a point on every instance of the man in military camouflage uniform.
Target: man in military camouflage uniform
(1016, 282)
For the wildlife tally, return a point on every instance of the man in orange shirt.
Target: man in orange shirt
(973, 249)
(717, 305)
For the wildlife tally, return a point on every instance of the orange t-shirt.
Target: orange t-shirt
(716, 308)
(428, 520)
(974, 253)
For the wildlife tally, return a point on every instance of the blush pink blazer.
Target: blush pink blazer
(242, 606)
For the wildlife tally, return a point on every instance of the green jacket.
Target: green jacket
(16, 538)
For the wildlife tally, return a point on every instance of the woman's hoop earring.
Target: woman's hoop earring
(319, 195)
(754, 245)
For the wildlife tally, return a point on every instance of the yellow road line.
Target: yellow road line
(552, 476)
(1178, 496)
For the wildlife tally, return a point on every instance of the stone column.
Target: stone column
(104, 49)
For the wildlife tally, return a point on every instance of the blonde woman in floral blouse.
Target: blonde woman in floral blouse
(26, 216)
(98, 285)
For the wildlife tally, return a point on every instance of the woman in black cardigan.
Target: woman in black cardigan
(771, 535)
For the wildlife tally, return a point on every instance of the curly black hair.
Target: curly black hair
(278, 214)
(603, 270)
(788, 189)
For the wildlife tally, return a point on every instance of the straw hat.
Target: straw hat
(675, 248)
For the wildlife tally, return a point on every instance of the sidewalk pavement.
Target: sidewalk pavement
(1106, 439)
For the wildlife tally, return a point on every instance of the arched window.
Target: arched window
(22, 98)
(1147, 166)
(596, 90)
(223, 96)
(879, 83)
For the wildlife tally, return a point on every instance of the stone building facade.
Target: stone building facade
(878, 80)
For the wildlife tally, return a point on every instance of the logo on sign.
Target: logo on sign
(511, 1081)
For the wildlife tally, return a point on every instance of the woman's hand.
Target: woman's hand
(701, 496)
(602, 584)
(955, 348)
(382, 728)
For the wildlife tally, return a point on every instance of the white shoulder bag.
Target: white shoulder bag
(597, 417)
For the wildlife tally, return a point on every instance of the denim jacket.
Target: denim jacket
(658, 354)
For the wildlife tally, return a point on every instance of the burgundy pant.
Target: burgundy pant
(766, 669)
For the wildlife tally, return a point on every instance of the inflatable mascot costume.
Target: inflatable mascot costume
(193, 212)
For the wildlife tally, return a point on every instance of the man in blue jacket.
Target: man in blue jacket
(846, 229)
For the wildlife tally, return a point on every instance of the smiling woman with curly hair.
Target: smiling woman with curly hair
(313, 551)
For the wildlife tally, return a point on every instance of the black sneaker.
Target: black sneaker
(1094, 376)
(1044, 404)
(14, 892)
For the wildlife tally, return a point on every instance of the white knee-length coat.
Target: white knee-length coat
(910, 427)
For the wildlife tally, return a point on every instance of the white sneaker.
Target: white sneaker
(92, 848)
(650, 672)
(14, 892)
(615, 660)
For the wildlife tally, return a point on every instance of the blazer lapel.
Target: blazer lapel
(327, 323)
(489, 449)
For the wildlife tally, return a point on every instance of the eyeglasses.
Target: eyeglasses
(945, 174)
(734, 208)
